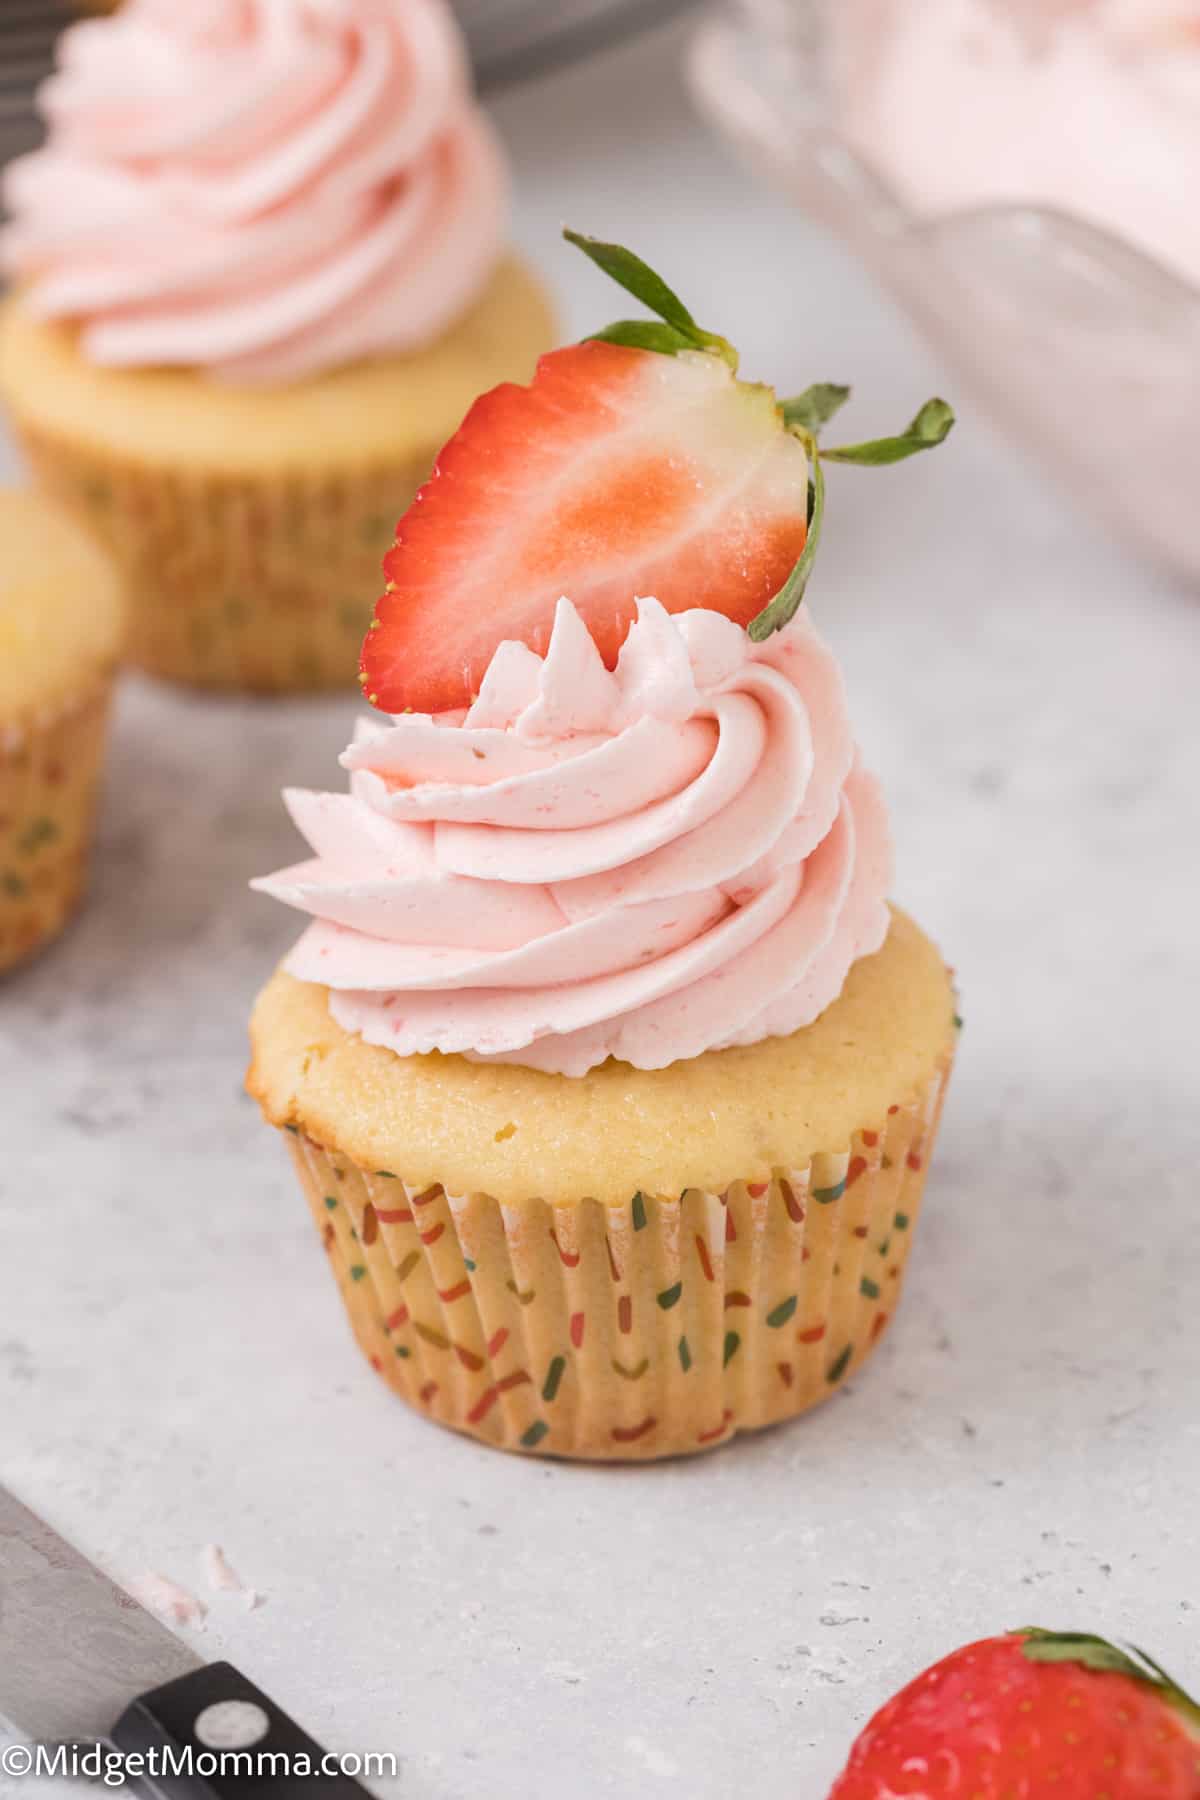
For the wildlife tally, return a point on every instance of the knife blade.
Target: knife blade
(74, 1649)
(81, 1661)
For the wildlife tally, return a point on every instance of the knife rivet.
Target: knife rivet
(231, 1725)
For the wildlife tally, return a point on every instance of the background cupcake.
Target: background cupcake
(56, 590)
(262, 278)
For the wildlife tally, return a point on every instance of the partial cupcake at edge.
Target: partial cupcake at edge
(260, 275)
(56, 589)
(609, 1073)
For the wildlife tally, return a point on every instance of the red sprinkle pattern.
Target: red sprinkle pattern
(570, 1258)
(629, 1434)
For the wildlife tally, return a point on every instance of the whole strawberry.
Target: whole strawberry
(1031, 1716)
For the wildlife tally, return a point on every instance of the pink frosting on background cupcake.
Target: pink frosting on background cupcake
(648, 863)
(265, 188)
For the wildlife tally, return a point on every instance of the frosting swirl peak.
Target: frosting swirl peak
(673, 856)
(264, 188)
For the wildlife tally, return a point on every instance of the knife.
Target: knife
(82, 1663)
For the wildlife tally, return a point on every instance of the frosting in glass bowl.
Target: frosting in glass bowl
(1091, 107)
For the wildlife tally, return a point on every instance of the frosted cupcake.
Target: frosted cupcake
(56, 589)
(261, 279)
(609, 1073)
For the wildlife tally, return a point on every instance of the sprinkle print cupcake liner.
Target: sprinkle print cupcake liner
(658, 1328)
(49, 768)
(238, 582)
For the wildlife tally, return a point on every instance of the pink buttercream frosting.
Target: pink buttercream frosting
(672, 857)
(1091, 107)
(263, 188)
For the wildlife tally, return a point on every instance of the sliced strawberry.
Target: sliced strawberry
(617, 473)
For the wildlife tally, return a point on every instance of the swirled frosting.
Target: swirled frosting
(671, 857)
(263, 188)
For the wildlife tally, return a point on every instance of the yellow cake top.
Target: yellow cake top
(61, 614)
(517, 1133)
(378, 409)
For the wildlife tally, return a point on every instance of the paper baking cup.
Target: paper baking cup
(238, 582)
(49, 767)
(656, 1328)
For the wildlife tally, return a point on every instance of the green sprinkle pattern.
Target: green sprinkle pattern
(554, 1375)
(38, 832)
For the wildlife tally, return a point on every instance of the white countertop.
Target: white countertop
(1025, 1447)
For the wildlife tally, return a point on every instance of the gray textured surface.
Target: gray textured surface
(173, 1363)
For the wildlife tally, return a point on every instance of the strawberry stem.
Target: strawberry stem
(1097, 1653)
(675, 330)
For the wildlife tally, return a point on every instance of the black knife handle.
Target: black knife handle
(250, 1747)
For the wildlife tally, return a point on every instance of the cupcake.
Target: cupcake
(56, 589)
(261, 277)
(609, 1073)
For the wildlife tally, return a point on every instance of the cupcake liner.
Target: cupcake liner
(265, 584)
(657, 1328)
(49, 767)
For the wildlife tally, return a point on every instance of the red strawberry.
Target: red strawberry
(1027, 1716)
(618, 472)
(633, 464)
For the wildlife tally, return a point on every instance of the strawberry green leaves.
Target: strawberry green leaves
(645, 334)
(931, 427)
(628, 270)
(815, 406)
(639, 279)
(674, 330)
(805, 416)
(1079, 1647)
(1098, 1654)
(786, 604)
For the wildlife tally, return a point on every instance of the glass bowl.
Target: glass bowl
(1076, 342)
